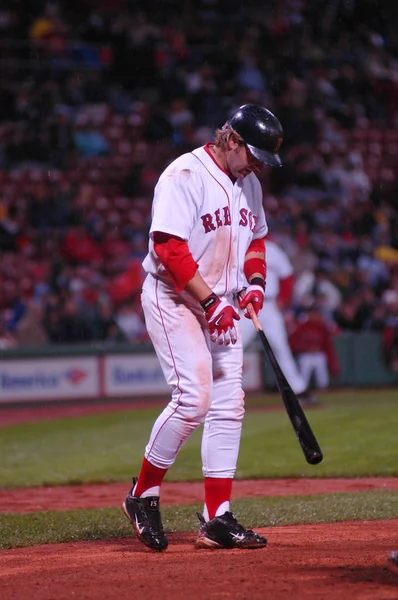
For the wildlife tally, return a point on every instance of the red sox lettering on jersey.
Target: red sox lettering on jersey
(222, 217)
(196, 201)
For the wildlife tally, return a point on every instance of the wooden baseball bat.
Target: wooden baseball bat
(306, 438)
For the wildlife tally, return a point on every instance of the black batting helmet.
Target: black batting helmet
(261, 132)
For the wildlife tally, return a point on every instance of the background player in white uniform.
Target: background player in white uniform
(206, 244)
(278, 292)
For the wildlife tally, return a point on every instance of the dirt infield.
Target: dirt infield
(110, 495)
(315, 562)
(322, 562)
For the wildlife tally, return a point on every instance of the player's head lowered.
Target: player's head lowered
(259, 130)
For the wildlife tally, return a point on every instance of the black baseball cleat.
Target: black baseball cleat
(392, 562)
(144, 515)
(226, 532)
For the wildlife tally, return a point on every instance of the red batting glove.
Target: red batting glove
(253, 295)
(220, 316)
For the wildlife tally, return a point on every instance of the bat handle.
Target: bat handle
(254, 317)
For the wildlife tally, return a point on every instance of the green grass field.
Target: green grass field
(109, 523)
(357, 431)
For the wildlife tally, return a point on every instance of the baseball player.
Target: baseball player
(278, 294)
(206, 245)
(311, 341)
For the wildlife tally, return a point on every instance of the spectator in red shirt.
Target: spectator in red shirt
(79, 247)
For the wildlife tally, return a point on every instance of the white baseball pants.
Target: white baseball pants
(314, 363)
(205, 378)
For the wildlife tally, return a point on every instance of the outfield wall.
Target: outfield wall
(86, 372)
(361, 360)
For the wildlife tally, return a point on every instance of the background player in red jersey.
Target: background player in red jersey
(311, 340)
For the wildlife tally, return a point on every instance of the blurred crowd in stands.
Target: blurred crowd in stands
(97, 97)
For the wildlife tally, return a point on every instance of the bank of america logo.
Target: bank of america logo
(76, 376)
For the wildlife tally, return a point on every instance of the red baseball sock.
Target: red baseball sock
(150, 476)
(217, 491)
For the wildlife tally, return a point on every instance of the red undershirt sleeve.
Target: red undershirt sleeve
(255, 264)
(175, 256)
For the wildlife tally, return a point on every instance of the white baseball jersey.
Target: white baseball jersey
(196, 200)
(278, 267)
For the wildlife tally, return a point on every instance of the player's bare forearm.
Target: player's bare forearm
(198, 288)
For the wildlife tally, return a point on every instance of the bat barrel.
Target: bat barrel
(302, 429)
(315, 458)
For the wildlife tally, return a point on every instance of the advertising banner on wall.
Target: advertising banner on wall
(141, 374)
(49, 379)
(134, 375)
(91, 377)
